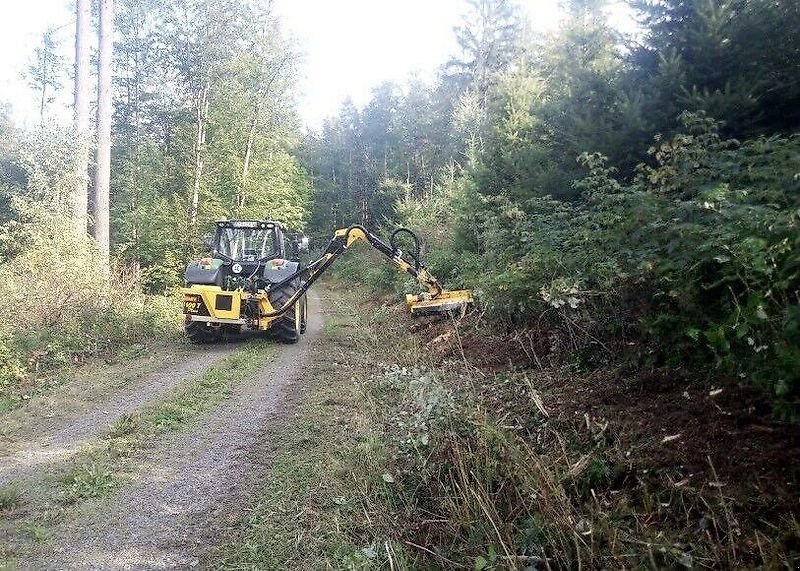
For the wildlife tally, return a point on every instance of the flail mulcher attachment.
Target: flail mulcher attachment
(434, 299)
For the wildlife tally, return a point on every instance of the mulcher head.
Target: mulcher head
(447, 302)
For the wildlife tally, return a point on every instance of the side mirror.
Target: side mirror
(303, 243)
(208, 242)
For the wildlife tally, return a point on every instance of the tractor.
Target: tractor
(253, 280)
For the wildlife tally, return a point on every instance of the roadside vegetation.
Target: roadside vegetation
(425, 445)
(639, 195)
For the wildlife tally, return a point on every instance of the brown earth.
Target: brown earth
(666, 430)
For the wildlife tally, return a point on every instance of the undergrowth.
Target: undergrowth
(65, 307)
(10, 496)
(399, 460)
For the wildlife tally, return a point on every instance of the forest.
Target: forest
(642, 190)
(643, 193)
(626, 202)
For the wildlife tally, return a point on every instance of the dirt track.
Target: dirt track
(186, 487)
(57, 440)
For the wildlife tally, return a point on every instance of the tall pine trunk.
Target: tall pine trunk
(201, 109)
(102, 181)
(80, 201)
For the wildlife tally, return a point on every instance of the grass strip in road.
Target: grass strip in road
(95, 471)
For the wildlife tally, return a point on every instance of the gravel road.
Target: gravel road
(63, 437)
(187, 485)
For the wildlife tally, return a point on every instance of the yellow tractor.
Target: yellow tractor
(249, 282)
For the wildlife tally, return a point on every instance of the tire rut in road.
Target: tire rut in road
(168, 514)
(68, 436)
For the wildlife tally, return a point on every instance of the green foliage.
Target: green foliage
(708, 235)
(62, 307)
(225, 66)
(86, 481)
(44, 71)
(737, 61)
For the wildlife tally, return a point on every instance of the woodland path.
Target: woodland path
(47, 439)
(186, 487)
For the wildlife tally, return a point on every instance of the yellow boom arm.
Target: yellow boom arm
(433, 299)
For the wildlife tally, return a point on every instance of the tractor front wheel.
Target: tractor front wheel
(288, 326)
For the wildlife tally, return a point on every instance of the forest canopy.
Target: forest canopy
(640, 193)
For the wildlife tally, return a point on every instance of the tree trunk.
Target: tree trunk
(248, 153)
(80, 200)
(102, 181)
(201, 108)
(41, 102)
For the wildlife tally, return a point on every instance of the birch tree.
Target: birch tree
(44, 71)
(81, 114)
(102, 180)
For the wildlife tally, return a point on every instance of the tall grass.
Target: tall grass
(61, 306)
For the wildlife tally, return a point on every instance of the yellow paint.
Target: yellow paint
(209, 295)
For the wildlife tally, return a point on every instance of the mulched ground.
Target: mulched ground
(674, 432)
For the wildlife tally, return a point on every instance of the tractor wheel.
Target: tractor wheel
(288, 326)
(200, 333)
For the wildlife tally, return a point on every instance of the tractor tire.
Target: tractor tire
(287, 327)
(201, 334)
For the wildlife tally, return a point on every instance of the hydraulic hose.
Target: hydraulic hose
(415, 254)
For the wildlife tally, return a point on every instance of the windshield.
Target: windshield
(247, 244)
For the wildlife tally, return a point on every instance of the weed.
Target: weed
(10, 496)
(124, 426)
(37, 532)
(86, 481)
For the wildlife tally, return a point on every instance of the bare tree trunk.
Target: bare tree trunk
(248, 153)
(201, 107)
(80, 199)
(41, 104)
(102, 181)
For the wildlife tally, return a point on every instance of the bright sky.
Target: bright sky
(350, 46)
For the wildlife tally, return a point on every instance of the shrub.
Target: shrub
(64, 306)
(699, 256)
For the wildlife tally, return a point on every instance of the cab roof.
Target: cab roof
(266, 224)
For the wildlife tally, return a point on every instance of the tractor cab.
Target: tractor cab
(245, 254)
(247, 241)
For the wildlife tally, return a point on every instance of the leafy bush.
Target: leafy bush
(700, 253)
(63, 306)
